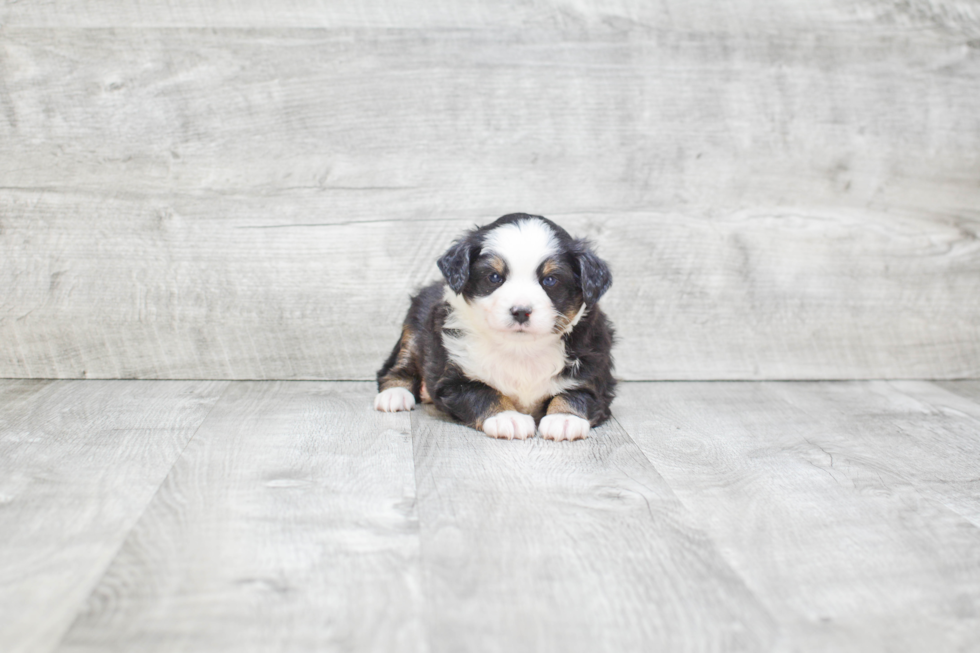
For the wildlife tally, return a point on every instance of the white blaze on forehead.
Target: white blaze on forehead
(523, 245)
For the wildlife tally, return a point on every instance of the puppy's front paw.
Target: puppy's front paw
(394, 399)
(563, 426)
(509, 425)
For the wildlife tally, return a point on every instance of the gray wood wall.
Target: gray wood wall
(247, 189)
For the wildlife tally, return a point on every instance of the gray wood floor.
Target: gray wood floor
(268, 516)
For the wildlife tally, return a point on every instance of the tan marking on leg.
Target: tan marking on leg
(561, 405)
(399, 376)
(503, 403)
(396, 382)
(407, 348)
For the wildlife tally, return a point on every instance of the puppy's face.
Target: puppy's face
(525, 275)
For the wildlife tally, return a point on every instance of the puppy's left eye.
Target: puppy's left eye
(549, 281)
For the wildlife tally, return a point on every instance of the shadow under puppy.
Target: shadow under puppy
(513, 336)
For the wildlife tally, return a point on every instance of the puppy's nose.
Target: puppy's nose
(521, 314)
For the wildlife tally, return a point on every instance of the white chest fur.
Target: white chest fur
(523, 367)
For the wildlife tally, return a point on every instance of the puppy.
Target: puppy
(512, 337)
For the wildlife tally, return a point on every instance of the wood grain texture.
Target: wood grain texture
(289, 524)
(78, 464)
(933, 436)
(410, 123)
(829, 500)
(834, 516)
(542, 546)
(202, 190)
(739, 15)
(221, 289)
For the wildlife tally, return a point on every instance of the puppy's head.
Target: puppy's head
(524, 274)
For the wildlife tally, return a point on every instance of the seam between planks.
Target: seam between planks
(125, 538)
(936, 501)
(719, 550)
(423, 572)
(920, 492)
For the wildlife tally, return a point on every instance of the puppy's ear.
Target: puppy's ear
(455, 264)
(594, 275)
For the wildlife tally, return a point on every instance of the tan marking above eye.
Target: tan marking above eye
(549, 268)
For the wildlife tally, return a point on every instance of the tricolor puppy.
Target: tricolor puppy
(513, 336)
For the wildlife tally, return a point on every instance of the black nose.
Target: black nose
(521, 314)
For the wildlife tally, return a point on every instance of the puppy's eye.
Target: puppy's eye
(549, 281)
(495, 278)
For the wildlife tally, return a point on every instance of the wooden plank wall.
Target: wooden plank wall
(242, 190)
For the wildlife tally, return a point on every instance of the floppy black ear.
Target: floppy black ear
(455, 264)
(594, 274)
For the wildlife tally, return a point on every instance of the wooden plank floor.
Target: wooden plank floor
(289, 516)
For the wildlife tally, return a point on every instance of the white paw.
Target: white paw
(394, 399)
(563, 426)
(509, 425)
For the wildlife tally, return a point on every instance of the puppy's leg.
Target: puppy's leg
(399, 377)
(481, 407)
(569, 416)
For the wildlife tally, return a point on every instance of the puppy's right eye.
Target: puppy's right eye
(495, 278)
